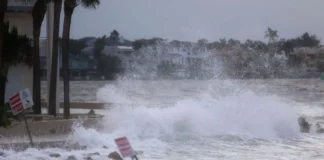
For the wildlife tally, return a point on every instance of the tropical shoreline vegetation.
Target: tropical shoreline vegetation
(238, 57)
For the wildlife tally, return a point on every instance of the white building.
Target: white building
(122, 52)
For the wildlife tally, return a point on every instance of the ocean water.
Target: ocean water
(199, 120)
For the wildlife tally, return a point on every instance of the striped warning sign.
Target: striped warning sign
(16, 104)
(124, 147)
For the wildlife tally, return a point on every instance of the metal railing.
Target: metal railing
(21, 3)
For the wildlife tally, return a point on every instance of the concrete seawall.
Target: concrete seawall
(48, 127)
(84, 105)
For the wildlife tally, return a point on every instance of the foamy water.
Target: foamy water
(199, 120)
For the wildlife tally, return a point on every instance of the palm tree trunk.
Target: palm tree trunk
(3, 81)
(38, 14)
(3, 9)
(69, 6)
(53, 82)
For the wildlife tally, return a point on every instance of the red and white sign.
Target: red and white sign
(20, 101)
(124, 147)
(16, 104)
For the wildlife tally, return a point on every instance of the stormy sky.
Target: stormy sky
(195, 19)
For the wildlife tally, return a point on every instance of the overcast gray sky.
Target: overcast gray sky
(195, 19)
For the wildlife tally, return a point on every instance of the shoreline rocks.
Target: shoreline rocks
(115, 156)
(305, 126)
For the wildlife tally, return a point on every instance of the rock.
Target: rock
(88, 158)
(115, 156)
(2, 154)
(52, 130)
(105, 147)
(75, 146)
(303, 89)
(56, 155)
(91, 112)
(319, 128)
(71, 158)
(93, 154)
(304, 125)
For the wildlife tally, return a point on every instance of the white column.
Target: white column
(50, 27)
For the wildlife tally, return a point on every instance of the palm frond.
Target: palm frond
(89, 3)
(17, 48)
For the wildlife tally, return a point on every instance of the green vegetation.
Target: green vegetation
(4, 120)
(99, 45)
(248, 54)
(114, 36)
(137, 44)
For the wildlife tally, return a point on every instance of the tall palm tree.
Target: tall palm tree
(53, 81)
(69, 6)
(3, 9)
(114, 37)
(271, 34)
(38, 14)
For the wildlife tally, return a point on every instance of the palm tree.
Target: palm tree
(99, 45)
(114, 37)
(3, 9)
(38, 14)
(53, 81)
(69, 6)
(271, 34)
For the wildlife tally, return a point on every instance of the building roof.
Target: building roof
(125, 48)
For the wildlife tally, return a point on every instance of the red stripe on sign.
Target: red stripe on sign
(122, 143)
(14, 96)
(17, 107)
(14, 101)
(124, 146)
(125, 149)
(121, 139)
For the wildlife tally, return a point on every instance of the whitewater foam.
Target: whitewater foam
(112, 94)
(202, 122)
(243, 114)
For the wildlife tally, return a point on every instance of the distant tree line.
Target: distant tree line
(249, 59)
(287, 45)
(253, 58)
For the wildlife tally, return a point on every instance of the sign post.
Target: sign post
(18, 103)
(125, 148)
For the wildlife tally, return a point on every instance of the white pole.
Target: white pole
(50, 28)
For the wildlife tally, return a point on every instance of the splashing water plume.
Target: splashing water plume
(210, 110)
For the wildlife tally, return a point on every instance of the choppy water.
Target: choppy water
(193, 119)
